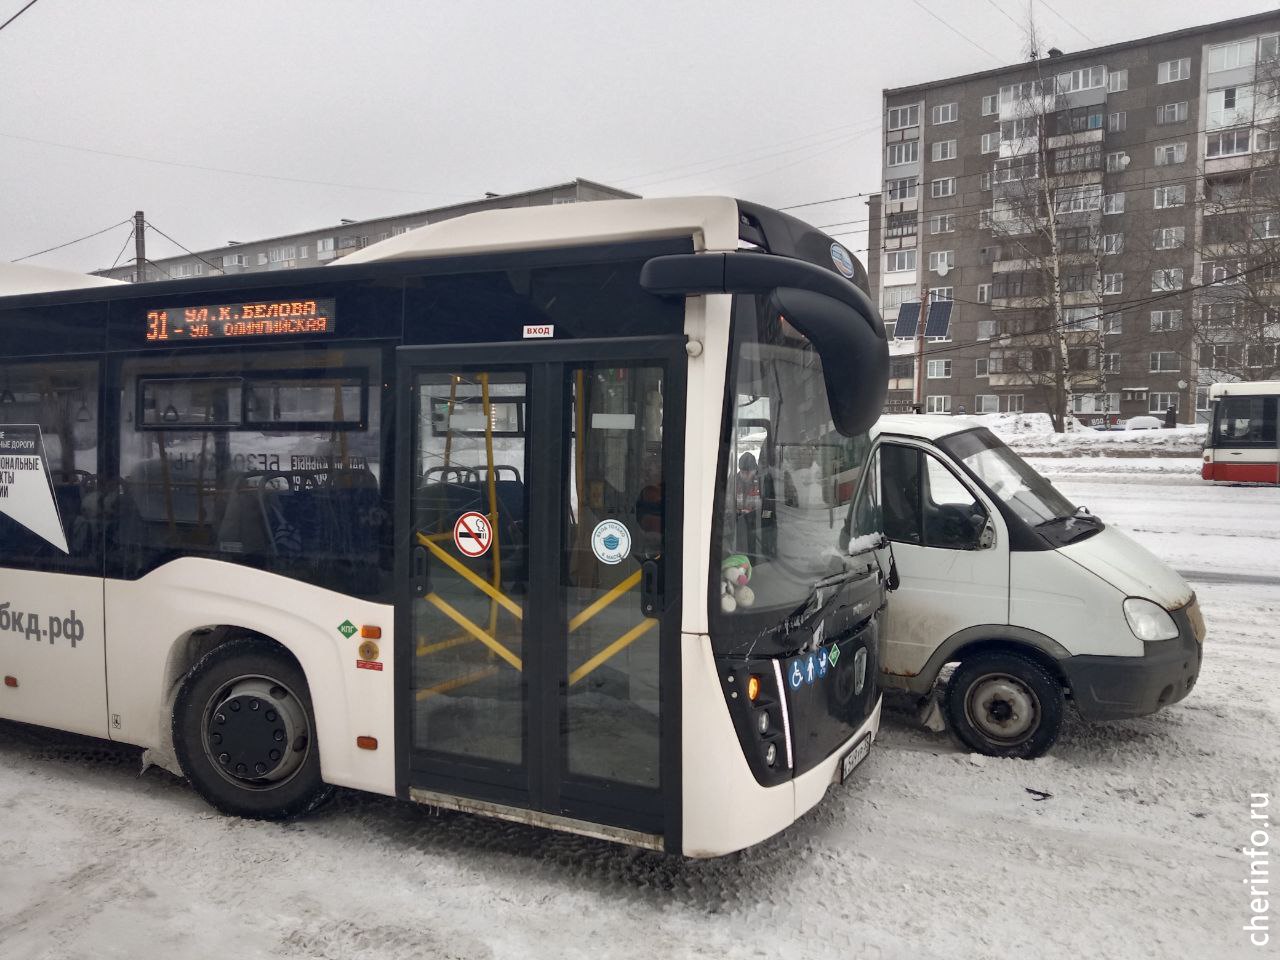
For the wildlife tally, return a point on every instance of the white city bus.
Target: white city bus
(463, 519)
(1243, 445)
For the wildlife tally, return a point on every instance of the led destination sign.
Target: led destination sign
(255, 318)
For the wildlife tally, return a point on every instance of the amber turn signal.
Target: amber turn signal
(753, 687)
(371, 633)
(367, 743)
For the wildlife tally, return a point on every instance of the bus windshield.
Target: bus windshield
(789, 475)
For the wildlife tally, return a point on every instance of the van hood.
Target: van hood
(1129, 567)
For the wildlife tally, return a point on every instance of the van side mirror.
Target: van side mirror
(987, 538)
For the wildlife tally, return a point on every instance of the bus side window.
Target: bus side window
(52, 408)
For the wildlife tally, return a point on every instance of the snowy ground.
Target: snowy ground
(929, 853)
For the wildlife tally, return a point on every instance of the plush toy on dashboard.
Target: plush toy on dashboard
(735, 574)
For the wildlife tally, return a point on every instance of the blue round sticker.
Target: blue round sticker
(611, 542)
(842, 260)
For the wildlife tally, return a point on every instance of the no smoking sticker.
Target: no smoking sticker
(472, 534)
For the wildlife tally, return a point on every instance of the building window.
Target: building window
(945, 223)
(324, 245)
(986, 403)
(1202, 399)
(1113, 203)
(1229, 56)
(1160, 402)
(1086, 78)
(984, 219)
(980, 366)
(1167, 154)
(902, 153)
(1117, 80)
(1269, 49)
(262, 259)
(1112, 243)
(1166, 280)
(1164, 361)
(904, 189)
(943, 187)
(1113, 322)
(1015, 92)
(1112, 283)
(902, 368)
(990, 105)
(938, 369)
(1116, 162)
(897, 261)
(944, 113)
(900, 224)
(990, 142)
(1117, 122)
(235, 260)
(1171, 113)
(1228, 143)
(936, 404)
(1110, 363)
(984, 293)
(986, 329)
(1174, 196)
(1162, 321)
(938, 294)
(942, 260)
(894, 297)
(1012, 403)
(1218, 314)
(944, 150)
(984, 181)
(1168, 238)
(1172, 70)
(1078, 199)
(1076, 159)
(902, 117)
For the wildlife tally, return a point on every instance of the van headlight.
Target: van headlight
(1149, 621)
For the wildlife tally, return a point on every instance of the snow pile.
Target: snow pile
(1032, 433)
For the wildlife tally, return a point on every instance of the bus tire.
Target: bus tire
(244, 733)
(1004, 705)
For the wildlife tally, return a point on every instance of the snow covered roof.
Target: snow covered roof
(711, 221)
(1260, 387)
(19, 278)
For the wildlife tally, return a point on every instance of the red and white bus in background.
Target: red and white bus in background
(1242, 444)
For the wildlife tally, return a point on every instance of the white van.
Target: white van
(1037, 600)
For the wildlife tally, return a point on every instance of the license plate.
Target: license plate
(854, 757)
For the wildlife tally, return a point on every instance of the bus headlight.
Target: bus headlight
(771, 754)
(1149, 621)
(762, 722)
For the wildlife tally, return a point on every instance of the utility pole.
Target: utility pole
(924, 315)
(139, 247)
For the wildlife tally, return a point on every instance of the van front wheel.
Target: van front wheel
(1004, 705)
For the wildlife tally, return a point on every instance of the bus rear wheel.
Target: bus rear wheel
(244, 733)
(1004, 705)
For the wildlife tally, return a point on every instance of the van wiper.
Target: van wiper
(1088, 524)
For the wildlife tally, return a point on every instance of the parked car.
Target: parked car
(1144, 423)
(1037, 601)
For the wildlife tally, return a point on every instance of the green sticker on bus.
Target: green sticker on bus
(347, 628)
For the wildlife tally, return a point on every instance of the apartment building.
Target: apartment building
(326, 244)
(1085, 224)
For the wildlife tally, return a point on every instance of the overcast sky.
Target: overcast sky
(111, 106)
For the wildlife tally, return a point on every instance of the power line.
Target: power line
(957, 32)
(814, 203)
(196, 166)
(123, 246)
(158, 267)
(1001, 11)
(1105, 311)
(181, 247)
(18, 14)
(96, 233)
(1045, 4)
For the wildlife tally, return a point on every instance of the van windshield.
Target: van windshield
(1030, 496)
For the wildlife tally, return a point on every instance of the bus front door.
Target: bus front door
(537, 625)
